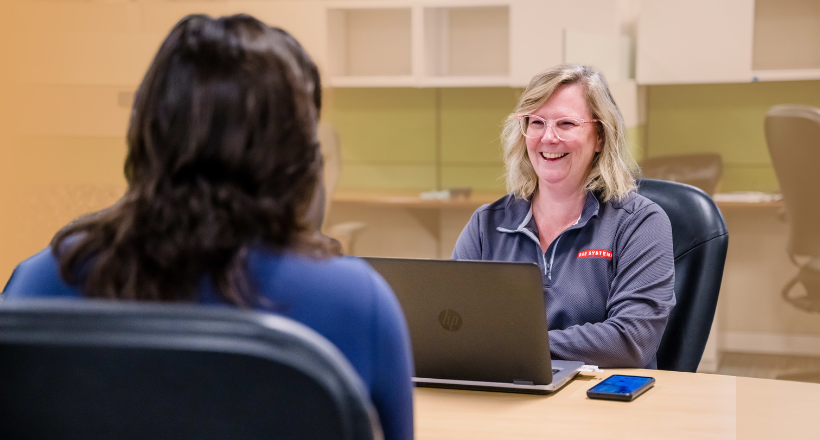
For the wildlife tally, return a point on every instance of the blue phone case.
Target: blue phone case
(621, 387)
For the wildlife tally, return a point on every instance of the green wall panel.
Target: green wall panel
(726, 119)
(471, 123)
(478, 177)
(387, 177)
(389, 135)
(384, 124)
(635, 141)
(748, 178)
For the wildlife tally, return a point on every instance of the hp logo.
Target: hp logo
(449, 320)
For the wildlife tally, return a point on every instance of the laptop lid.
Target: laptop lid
(473, 321)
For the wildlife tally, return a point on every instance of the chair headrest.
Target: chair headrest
(695, 217)
(795, 111)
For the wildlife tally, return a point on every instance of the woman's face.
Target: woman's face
(563, 164)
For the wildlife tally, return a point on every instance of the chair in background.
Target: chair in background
(344, 232)
(699, 170)
(700, 241)
(116, 370)
(793, 137)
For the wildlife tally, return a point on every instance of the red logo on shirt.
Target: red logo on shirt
(595, 253)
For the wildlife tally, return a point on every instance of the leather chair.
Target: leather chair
(86, 369)
(699, 170)
(699, 240)
(793, 137)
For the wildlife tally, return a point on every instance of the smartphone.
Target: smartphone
(621, 387)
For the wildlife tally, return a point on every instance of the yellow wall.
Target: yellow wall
(725, 119)
(420, 139)
(389, 135)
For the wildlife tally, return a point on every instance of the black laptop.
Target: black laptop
(476, 324)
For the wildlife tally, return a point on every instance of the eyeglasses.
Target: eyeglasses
(566, 129)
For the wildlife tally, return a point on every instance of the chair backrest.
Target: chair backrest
(793, 136)
(90, 370)
(699, 170)
(700, 240)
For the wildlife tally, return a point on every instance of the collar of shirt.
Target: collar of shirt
(518, 214)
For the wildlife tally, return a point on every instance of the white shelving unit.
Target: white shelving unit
(736, 41)
(696, 41)
(785, 75)
(367, 42)
(418, 44)
(456, 43)
(786, 45)
(467, 42)
(612, 55)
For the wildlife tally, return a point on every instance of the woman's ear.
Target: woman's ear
(599, 144)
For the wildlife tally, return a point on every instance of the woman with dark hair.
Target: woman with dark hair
(223, 173)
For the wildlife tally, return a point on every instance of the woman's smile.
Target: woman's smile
(552, 157)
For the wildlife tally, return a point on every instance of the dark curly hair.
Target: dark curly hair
(223, 157)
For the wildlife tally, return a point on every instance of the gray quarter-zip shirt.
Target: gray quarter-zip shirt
(608, 279)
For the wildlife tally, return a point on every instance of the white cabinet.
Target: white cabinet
(452, 43)
(538, 31)
(421, 44)
(466, 44)
(694, 41)
(370, 45)
(786, 40)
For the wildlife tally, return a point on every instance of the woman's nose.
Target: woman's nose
(549, 135)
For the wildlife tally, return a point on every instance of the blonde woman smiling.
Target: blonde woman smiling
(605, 252)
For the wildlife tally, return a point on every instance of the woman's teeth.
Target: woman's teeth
(553, 155)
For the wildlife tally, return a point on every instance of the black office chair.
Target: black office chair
(91, 370)
(699, 240)
(793, 137)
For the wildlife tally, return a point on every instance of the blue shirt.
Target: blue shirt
(343, 299)
(608, 280)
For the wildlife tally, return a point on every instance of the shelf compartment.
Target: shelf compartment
(786, 75)
(611, 54)
(370, 42)
(467, 41)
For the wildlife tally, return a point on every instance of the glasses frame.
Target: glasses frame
(582, 122)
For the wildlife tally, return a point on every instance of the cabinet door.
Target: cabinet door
(537, 31)
(694, 41)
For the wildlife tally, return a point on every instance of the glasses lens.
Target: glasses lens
(567, 129)
(532, 127)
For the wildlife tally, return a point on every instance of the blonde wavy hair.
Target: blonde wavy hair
(612, 173)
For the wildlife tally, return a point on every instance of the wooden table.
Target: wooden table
(679, 406)
(441, 220)
(413, 200)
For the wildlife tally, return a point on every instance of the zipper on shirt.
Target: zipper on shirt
(552, 256)
(538, 247)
